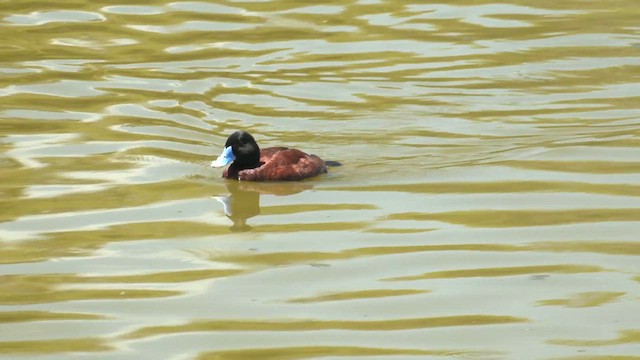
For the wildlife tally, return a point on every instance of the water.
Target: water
(488, 206)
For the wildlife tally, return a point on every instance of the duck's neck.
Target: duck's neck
(235, 168)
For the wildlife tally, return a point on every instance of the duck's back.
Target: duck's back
(283, 164)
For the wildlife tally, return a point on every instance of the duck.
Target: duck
(250, 163)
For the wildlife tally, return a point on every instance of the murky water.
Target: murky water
(488, 206)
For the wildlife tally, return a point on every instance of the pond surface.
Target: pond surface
(488, 206)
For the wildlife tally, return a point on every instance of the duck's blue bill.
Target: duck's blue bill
(225, 158)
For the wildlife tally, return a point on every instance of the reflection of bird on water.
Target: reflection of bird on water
(239, 206)
(250, 163)
(243, 201)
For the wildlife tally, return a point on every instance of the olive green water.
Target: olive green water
(488, 206)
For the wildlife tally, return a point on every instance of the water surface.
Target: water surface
(488, 206)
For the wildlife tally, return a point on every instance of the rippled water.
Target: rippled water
(488, 206)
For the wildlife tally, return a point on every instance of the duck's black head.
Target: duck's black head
(241, 149)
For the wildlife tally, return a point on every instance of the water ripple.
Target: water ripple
(488, 188)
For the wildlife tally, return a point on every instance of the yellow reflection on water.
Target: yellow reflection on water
(506, 271)
(310, 352)
(584, 299)
(362, 294)
(309, 325)
(53, 346)
(483, 143)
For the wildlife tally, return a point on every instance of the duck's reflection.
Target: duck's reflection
(243, 201)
